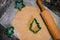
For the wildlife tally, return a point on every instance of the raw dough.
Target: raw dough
(22, 22)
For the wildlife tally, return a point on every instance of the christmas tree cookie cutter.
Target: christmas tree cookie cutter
(31, 25)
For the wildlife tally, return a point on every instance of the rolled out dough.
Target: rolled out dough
(22, 22)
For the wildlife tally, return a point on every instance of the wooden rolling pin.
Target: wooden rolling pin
(48, 19)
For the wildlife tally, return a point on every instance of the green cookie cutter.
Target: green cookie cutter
(37, 26)
(19, 4)
(9, 31)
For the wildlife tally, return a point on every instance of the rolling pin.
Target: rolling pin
(49, 21)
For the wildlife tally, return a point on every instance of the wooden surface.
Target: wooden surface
(22, 22)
